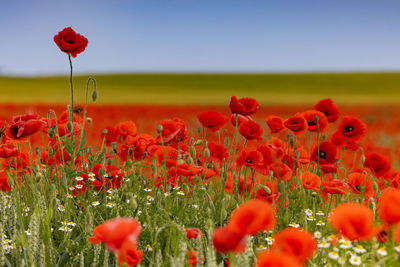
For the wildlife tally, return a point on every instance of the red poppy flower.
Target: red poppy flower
(63, 129)
(274, 258)
(275, 123)
(226, 240)
(8, 150)
(129, 254)
(325, 155)
(383, 233)
(126, 128)
(314, 124)
(111, 179)
(217, 152)
(4, 186)
(334, 187)
(137, 146)
(18, 131)
(192, 258)
(252, 217)
(268, 158)
(359, 182)
(239, 119)
(70, 42)
(310, 180)
(389, 203)
(167, 155)
(114, 232)
(173, 131)
(192, 233)
(250, 130)
(296, 242)
(297, 124)
(341, 141)
(352, 128)
(212, 120)
(378, 164)
(281, 171)
(249, 157)
(329, 108)
(353, 220)
(243, 106)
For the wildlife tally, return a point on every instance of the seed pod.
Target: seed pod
(159, 128)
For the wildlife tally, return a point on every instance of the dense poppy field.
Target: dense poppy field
(240, 185)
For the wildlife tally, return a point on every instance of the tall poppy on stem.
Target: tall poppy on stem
(72, 44)
(353, 220)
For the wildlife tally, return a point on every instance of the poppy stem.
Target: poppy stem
(72, 90)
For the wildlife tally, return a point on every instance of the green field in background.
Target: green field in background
(209, 89)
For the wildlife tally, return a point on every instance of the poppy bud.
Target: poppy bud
(89, 120)
(314, 194)
(192, 152)
(206, 153)
(159, 128)
(190, 160)
(133, 203)
(105, 131)
(70, 126)
(109, 161)
(198, 142)
(180, 161)
(50, 132)
(316, 118)
(362, 159)
(265, 188)
(375, 186)
(94, 95)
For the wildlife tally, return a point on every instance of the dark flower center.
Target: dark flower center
(349, 129)
(322, 154)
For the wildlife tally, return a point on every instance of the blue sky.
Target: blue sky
(202, 36)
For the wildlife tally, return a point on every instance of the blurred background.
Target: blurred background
(172, 54)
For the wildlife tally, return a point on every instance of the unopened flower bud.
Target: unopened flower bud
(159, 128)
(70, 126)
(206, 153)
(94, 95)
